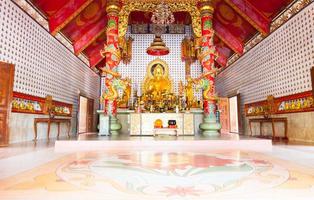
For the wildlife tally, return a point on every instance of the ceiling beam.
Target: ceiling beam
(95, 59)
(221, 59)
(230, 40)
(89, 37)
(101, 64)
(68, 12)
(251, 14)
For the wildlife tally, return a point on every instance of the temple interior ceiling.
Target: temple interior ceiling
(235, 22)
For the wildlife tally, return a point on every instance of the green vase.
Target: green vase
(210, 127)
(115, 126)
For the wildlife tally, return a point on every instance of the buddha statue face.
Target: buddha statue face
(158, 72)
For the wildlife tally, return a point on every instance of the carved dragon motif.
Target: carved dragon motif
(113, 84)
(203, 82)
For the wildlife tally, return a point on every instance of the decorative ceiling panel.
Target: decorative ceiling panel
(233, 22)
(93, 50)
(49, 7)
(270, 8)
(222, 47)
(85, 20)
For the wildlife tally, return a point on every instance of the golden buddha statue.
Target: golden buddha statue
(157, 84)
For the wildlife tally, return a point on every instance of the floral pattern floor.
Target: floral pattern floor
(153, 175)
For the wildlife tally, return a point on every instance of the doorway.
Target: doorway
(82, 121)
(223, 107)
(6, 95)
(234, 113)
(85, 115)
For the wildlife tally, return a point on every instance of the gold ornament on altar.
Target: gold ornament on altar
(124, 100)
(190, 49)
(191, 101)
(125, 46)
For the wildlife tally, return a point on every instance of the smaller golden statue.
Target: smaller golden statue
(124, 100)
(189, 93)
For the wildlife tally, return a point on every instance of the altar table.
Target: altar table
(49, 121)
(143, 123)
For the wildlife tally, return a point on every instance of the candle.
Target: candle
(139, 91)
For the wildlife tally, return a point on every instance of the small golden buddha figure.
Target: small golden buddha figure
(124, 100)
(158, 85)
(189, 94)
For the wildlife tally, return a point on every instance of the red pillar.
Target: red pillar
(208, 54)
(111, 50)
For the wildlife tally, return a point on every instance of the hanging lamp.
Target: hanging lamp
(162, 16)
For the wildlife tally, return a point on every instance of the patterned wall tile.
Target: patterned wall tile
(43, 66)
(279, 65)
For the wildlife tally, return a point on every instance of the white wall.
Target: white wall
(43, 66)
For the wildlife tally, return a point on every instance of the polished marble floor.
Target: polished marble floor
(36, 171)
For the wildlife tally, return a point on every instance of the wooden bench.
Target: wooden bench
(165, 131)
(261, 121)
(49, 121)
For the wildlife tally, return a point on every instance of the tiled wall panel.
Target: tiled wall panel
(279, 65)
(43, 66)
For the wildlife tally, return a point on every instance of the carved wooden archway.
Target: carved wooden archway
(191, 8)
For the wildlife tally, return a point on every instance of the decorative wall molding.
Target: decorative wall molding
(24, 103)
(301, 102)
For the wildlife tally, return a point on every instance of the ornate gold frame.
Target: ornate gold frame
(150, 7)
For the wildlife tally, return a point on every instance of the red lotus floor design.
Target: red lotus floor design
(228, 174)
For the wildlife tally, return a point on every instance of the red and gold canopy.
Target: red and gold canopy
(83, 22)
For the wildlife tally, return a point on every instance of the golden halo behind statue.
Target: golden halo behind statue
(151, 66)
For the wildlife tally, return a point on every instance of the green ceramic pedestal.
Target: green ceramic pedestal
(210, 127)
(115, 126)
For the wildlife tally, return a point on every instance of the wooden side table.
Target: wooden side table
(261, 121)
(49, 121)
